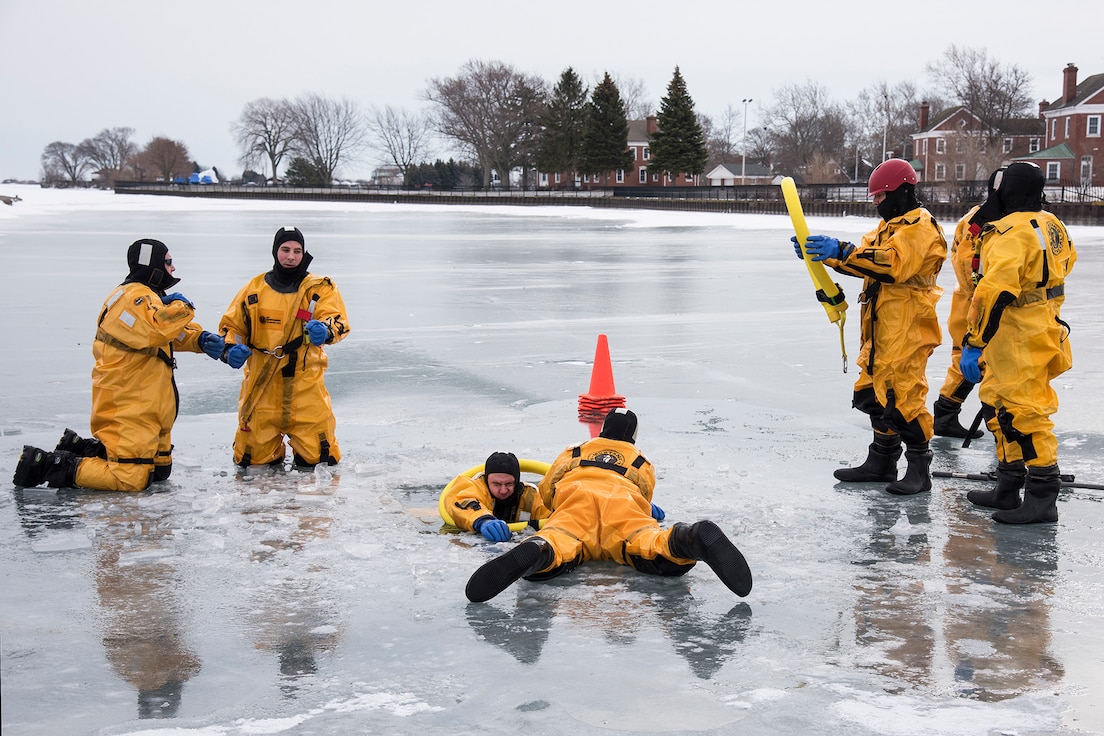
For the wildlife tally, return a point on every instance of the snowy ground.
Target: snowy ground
(296, 604)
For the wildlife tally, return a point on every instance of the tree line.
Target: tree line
(502, 120)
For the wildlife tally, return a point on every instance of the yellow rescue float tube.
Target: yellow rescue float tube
(527, 466)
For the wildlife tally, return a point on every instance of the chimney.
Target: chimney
(1069, 83)
(925, 109)
(653, 125)
(1043, 105)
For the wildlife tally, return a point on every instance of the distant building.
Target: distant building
(1073, 132)
(955, 144)
(387, 176)
(738, 173)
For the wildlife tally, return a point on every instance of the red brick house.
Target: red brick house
(639, 142)
(1073, 142)
(955, 145)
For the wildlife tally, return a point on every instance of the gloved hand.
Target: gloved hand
(797, 247)
(212, 344)
(657, 513)
(318, 332)
(968, 363)
(236, 355)
(823, 247)
(176, 296)
(495, 530)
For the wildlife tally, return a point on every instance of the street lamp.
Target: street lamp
(743, 160)
(885, 129)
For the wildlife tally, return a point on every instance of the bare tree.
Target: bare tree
(328, 132)
(167, 159)
(994, 92)
(721, 135)
(493, 112)
(264, 132)
(634, 96)
(803, 121)
(400, 135)
(63, 161)
(109, 150)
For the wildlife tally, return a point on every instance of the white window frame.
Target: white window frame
(940, 145)
(960, 172)
(544, 179)
(1033, 145)
(1092, 126)
(647, 154)
(1069, 119)
(1054, 171)
(1007, 145)
(940, 171)
(643, 175)
(620, 176)
(1086, 169)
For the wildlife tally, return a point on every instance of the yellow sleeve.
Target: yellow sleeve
(468, 500)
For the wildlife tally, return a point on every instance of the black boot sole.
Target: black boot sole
(718, 551)
(502, 572)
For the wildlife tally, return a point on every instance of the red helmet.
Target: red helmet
(891, 174)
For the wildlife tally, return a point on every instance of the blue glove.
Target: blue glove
(495, 530)
(797, 247)
(657, 513)
(211, 344)
(236, 355)
(176, 296)
(823, 247)
(318, 332)
(968, 363)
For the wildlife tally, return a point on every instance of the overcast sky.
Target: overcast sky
(185, 70)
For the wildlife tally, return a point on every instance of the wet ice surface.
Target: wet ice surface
(302, 604)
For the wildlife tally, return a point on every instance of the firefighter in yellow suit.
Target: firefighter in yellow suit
(277, 327)
(899, 262)
(600, 493)
(955, 388)
(495, 498)
(1015, 327)
(134, 395)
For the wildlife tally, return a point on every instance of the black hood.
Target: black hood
(898, 202)
(1021, 188)
(146, 258)
(289, 277)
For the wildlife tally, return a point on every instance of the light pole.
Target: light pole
(885, 129)
(743, 160)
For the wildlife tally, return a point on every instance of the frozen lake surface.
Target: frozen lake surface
(300, 604)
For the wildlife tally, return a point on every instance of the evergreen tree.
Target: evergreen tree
(561, 138)
(302, 173)
(679, 144)
(606, 135)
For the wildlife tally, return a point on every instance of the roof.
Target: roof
(1086, 90)
(1060, 151)
(731, 170)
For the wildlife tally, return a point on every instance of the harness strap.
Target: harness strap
(158, 353)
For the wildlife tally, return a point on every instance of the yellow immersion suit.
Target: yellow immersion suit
(963, 250)
(283, 390)
(134, 396)
(899, 262)
(600, 493)
(469, 499)
(1016, 318)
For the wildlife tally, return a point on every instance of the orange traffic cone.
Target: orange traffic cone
(602, 396)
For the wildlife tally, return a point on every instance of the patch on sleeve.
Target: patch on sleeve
(470, 505)
(127, 319)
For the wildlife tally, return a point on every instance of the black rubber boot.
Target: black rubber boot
(72, 442)
(1006, 495)
(705, 541)
(918, 473)
(1040, 501)
(946, 413)
(881, 462)
(36, 466)
(532, 555)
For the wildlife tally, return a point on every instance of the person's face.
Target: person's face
(289, 254)
(879, 197)
(501, 485)
(169, 267)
